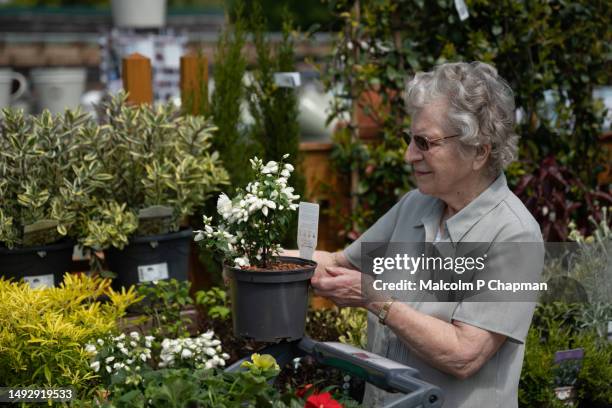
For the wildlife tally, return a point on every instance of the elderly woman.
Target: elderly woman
(461, 138)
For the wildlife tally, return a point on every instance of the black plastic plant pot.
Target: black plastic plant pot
(151, 258)
(270, 306)
(38, 265)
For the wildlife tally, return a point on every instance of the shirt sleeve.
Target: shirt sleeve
(381, 231)
(502, 312)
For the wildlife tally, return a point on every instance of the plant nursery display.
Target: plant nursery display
(269, 294)
(43, 331)
(162, 169)
(47, 184)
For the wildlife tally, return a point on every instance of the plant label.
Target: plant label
(40, 281)
(287, 79)
(153, 272)
(308, 227)
(462, 9)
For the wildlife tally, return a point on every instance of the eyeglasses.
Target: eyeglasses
(423, 143)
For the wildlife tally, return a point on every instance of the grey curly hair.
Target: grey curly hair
(480, 106)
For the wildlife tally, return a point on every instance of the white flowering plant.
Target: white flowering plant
(253, 223)
(203, 351)
(125, 358)
(121, 358)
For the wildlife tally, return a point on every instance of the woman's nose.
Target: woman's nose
(413, 154)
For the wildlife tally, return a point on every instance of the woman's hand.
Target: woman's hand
(340, 285)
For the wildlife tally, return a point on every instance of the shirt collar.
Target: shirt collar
(459, 224)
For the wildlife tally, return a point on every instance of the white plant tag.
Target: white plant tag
(40, 281)
(462, 9)
(153, 272)
(308, 227)
(287, 79)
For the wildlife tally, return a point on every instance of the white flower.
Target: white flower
(186, 353)
(95, 366)
(270, 167)
(109, 359)
(241, 261)
(101, 342)
(264, 210)
(143, 357)
(108, 369)
(90, 348)
(224, 205)
(285, 173)
(135, 335)
(288, 167)
(199, 236)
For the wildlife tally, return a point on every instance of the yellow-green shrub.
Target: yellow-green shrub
(43, 331)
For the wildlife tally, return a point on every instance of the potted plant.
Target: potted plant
(45, 182)
(566, 369)
(269, 293)
(161, 169)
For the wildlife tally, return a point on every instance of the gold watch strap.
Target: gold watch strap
(384, 311)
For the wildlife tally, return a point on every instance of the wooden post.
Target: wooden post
(137, 79)
(194, 83)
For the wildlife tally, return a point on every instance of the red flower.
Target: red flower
(324, 400)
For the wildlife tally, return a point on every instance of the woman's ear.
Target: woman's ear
(482, 156)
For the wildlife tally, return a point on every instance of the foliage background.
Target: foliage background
(553, 53)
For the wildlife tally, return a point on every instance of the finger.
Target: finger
(335, 270)
(323, 284)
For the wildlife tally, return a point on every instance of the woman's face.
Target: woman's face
(442, 171)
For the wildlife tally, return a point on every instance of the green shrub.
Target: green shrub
(48, 178)
(215, 303)
(162, 305)
(162, 167)
(347, 325)
(549, 335)
(43, 332)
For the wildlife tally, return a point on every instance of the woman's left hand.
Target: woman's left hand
(343, 286)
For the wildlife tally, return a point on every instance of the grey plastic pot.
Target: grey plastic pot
(270, 306)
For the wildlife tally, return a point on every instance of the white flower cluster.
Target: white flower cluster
(202, 351)
(131, 354)
(266, 195)
(250, 213)
(121, 353)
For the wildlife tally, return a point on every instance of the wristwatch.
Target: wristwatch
(384, 310)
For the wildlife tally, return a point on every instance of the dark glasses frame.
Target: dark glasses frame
(421, 142)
